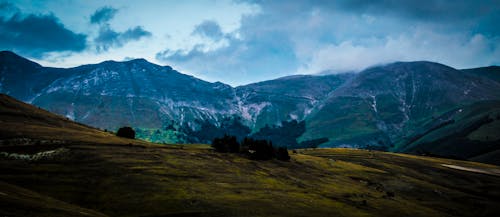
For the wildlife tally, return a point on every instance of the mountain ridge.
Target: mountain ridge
(376, 107)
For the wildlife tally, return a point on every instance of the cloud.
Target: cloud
(241, 61)
(435, 10)
(418, 45)
(135, 33)
(35, 35)
(209, 29)
(108, 38)
(103, 15)
(313, 36)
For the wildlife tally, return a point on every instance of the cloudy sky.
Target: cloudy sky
(239, 41)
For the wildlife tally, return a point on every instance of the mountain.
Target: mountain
(52, 166)
(377, 108)
(287, 98)
(159, 101)
(135, 93)
(468, 133)
(491, 72)
(384, 103)
(113, 94)
(24, 78)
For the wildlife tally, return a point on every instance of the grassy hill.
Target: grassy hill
(467, 132)
(50, 166)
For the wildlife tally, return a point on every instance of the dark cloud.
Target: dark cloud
(436, 10)
(103, 15)
(135, 33)
(34, 35)
(7, 7)
(209, 29)
(108, 38)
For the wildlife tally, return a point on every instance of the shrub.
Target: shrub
(282, 154)
(126, 132)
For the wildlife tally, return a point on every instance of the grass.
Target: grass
(168, 180)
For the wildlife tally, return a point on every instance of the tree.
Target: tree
(261, 149)
(226, 144)
(126, 132)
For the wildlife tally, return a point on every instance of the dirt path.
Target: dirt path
(494, 172)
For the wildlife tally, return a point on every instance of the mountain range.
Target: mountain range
(388, 107)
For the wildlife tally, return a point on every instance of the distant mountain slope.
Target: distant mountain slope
(468, 132)
(375, 108)
(136, 93)
(491, 72)
(156, 99)
(287, 98)
(383, 103)
(23, 78)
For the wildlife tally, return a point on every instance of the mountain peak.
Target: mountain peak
(7, 53)
(138, 60)
(9, 57)
(422, 63)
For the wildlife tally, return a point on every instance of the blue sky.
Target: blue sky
(239, 42)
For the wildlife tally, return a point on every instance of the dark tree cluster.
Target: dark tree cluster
(126, 132)
(208, 131)
(226, 144)
(285, 134)
(256, 149)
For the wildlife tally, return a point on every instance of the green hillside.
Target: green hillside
(468, 132)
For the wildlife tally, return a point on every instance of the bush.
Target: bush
(126, 132)
(282, 154)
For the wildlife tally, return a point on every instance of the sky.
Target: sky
(243, 41)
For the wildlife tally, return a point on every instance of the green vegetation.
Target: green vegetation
(344, 120)
(164, 135)
(469, 132)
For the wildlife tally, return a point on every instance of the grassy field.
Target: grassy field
(86, 172)
(122, 180)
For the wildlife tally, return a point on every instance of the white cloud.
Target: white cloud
(456, 50)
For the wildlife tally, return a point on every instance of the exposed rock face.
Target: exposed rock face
(375, 107)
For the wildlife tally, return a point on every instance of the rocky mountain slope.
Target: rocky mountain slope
(384, 103)
(375, 108)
